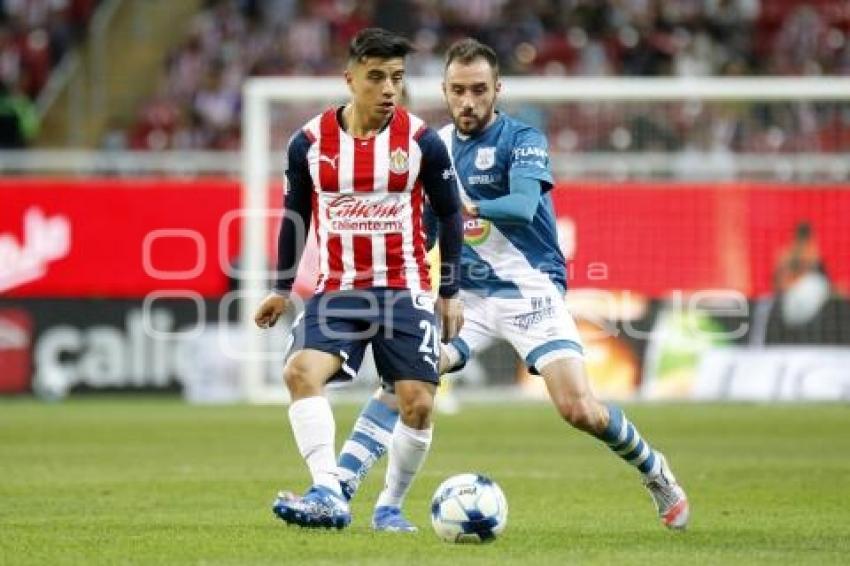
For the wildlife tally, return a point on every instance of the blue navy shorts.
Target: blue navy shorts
(398, 323)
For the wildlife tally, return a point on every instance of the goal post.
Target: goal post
(260, 94)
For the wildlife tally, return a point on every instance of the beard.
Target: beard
(471, 123)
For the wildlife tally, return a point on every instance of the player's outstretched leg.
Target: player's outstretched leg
(368, 442)
(669, 497)
(409, 446)
(313, 427)
(570, 392)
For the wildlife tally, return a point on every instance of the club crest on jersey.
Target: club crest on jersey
(485, 158)
(398, 161)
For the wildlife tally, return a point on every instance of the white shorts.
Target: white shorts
(539, 327)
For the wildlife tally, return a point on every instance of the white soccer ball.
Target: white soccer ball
(469, 508)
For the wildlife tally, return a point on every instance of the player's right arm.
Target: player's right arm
(529, 177)
(516, 207)
(293, 231)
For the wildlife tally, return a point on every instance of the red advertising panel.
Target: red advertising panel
(113, 237)
(124, 238)
(656, 238)
(773, 215)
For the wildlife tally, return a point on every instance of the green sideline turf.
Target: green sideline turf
(153, 481)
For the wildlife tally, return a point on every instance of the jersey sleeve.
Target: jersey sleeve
(437, 174)
(297, 213)
(438, 181)
(530, 157)
(518, 206)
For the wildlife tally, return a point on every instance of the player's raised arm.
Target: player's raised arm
(293, 231)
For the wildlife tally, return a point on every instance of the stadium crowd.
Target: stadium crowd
(34, 36)
(198, 103)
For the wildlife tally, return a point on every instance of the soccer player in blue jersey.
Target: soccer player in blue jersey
(513, 279)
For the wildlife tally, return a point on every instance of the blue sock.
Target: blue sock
(369, 440)
(624, 439)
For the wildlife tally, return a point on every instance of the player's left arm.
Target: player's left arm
(431, 226)
(529, 177)
(438, 181)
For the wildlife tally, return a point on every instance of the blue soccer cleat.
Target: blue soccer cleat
(318, 508)
(390, 519)
(348, 488)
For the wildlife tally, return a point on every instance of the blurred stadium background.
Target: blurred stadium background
(708, 239)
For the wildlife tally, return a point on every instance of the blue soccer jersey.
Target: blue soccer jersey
(502, 258)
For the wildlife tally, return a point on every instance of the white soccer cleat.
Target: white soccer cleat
(669, 497)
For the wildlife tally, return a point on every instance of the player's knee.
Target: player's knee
(582, 413)
(415, 410)
(296, 375)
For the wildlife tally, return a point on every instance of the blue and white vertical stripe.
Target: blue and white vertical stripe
(624, 439)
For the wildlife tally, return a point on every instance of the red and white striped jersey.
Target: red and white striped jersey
(367, 200)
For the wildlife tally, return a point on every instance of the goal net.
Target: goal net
(666, 190)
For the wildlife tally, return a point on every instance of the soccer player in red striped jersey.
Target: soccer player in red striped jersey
(361, 173)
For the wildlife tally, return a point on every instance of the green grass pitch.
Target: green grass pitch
(153, 481)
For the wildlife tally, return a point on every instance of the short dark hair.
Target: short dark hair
(378, 42)
(468, 50)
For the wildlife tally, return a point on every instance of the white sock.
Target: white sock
(452, 355)
(313, 427)
(408, 450)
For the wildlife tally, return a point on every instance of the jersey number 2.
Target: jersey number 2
(430, 339)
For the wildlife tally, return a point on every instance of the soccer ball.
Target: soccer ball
(469, 508)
